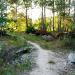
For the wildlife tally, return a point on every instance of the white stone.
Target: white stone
(71, 57)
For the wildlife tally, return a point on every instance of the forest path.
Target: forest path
(48, 63)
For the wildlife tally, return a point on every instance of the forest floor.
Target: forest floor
(56, 45)
(48, 62)
(20, 40)
(11, 62)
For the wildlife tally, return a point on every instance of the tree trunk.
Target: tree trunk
(1, 14)
(31, 18)
(59, 22)
(53, 15)
(74, 13)
(53, 21)
(50, 24)
(69, 6)
(64, 14)
(42, 20)
(26, 18)
(64, 10)
(45, 15)
(16, 17)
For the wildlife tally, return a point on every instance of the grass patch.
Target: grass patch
(16, 69)
(57, 45)
(15, 41)
(51, 62)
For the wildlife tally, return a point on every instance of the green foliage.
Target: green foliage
(15, 69)
(19, 42)
(30, 29)
(61, 5)
(26, 65)
(64, 45)
(3, 19)
(12, 1)
(68, 43)
(73, 27)
(3, 15)
(27, 3)
(41, 2)
(8, 70)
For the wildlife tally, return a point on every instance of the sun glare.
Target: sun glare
(36, 13)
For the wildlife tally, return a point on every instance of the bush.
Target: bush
(30, 29)
(68, 43)
(73, 27)
(3, 33)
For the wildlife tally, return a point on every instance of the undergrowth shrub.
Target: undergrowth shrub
(30, 29)
(68, 43)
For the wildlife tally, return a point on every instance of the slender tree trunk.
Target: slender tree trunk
(16, 11)
(31, 24)
(1, 22)
(1, 13)
(26, 17)
(53, 21)
(45, 15)
(6, 12)
(42, 20)
(64, 10)
(50, 24)
(31, 18)
(63, 14)
(59, 23)
(69, 6)
(74, 13)
(53, 15)
(42, 16)
(1, 9)
(16, 17)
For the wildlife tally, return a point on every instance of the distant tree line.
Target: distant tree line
(60, 7)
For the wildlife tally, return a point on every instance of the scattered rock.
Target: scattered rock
(70, 64)
(71, 58)
(13, 53)
(47, 37)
